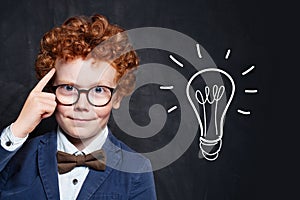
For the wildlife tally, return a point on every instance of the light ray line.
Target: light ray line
(198, 50)
(248, 70)
(176, 61)
(251, 91)
(243, 112)
(227, 54)
(166, 87)
(171, 109)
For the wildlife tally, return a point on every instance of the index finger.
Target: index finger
(43, 82)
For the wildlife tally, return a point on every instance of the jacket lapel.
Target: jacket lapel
(96, 178)
(48, 165)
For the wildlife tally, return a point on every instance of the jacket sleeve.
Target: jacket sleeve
(143, 186)
(5, 157)
(9, 146)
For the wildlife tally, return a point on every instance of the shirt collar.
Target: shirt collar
(63, 144)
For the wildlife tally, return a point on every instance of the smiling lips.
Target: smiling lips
(80, 119)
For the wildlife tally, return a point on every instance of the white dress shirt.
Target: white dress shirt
(71, 182)
(9, 141)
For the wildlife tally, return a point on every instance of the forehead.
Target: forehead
(84, 73)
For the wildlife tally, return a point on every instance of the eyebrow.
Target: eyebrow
(65, 82)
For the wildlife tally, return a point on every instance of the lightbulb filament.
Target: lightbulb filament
(217, 93)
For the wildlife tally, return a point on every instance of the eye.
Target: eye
(99, 89)
(68, 87)
(66, 90)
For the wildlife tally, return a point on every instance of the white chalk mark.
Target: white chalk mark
(166, 87)
(227, 54)
(251, 91)
(248, 70)
(243, 112)
(171, 109)
(176, 61)
(198, 50)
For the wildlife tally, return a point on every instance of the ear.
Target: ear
(116, 101)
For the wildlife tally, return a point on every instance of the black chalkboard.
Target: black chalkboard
(244, 27)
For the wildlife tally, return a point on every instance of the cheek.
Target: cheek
(60, 115)
(62, 110)
(102, 112)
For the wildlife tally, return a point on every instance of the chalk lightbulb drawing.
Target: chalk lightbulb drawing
(215, 95)
(212, 95)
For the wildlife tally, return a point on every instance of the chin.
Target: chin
(81, 133)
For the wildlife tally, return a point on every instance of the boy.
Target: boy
(81, 159)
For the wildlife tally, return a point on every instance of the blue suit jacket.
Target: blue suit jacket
(31, 173)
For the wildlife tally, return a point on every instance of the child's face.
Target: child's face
(83, 120)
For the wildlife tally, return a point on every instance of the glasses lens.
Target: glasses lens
(99, 95)
(66, 94)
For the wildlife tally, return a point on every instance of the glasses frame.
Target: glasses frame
(86, 91)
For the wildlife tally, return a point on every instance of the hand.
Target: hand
(38, 105)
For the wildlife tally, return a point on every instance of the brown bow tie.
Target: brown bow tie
(66, 162)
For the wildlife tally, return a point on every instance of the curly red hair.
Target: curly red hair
(79, 37)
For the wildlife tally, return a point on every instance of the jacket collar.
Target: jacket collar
(47, 164)
(95, 179)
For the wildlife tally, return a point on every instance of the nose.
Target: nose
(82, 103)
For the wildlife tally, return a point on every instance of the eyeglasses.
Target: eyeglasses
(68, 95)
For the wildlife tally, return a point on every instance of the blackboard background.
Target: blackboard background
(252, 29)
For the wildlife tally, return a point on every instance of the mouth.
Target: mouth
(81, 119)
